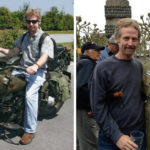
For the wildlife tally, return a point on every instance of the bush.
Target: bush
(8, 38)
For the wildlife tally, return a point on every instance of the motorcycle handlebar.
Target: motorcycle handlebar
(13, 67)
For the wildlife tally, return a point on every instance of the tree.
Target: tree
(8, 38)
(50, 19)
(5, 18)
(87, 33)
(25, 7)
(144, 47)
(68, 22)
(17, 19)
(55, 20)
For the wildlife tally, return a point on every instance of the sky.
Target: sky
(43, 5)
(93, 11)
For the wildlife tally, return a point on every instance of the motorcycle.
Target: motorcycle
(52, 95)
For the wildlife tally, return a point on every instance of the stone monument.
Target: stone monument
(115, 10)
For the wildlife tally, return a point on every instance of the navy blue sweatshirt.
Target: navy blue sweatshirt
(117, 115)
(85, 68)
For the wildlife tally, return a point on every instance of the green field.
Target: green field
(60, 32)
(50, 32)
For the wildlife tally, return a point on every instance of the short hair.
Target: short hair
(33, 12)
(126, 22)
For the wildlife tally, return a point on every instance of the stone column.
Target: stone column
(115, 10)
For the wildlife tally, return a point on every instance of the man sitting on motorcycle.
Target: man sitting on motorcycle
(34, 60)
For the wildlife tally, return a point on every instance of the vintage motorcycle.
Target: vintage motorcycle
(52, 94)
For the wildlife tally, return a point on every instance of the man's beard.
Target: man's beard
(32, 29)
(130, 50)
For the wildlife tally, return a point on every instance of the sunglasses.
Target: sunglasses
(33, 21)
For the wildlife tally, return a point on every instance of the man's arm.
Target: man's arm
(9, 52)
(41, 61)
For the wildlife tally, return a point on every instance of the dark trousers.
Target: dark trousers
(105, 143)
(87, 131)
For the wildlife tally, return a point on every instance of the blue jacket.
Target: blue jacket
(105, 54)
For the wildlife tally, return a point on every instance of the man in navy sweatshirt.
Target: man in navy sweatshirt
(116, 97)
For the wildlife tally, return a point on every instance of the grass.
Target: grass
(67, 43)
(60, 32)
(50, 32)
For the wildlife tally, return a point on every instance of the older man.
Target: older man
(110, 49)
(87, 129)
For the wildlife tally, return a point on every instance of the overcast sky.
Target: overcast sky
(93, 10)
(43, 5)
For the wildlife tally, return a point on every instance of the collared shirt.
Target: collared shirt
(30, 49)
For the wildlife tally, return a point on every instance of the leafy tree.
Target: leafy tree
(54, 14)
(52, 20)
(8, 38)
(47, 22)
(85, 32)
(68, 22)
(22, 12)
(5, 18)
(17, 19)
(55, 20)
(144, 47)
(61, 21)
(25, 7)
